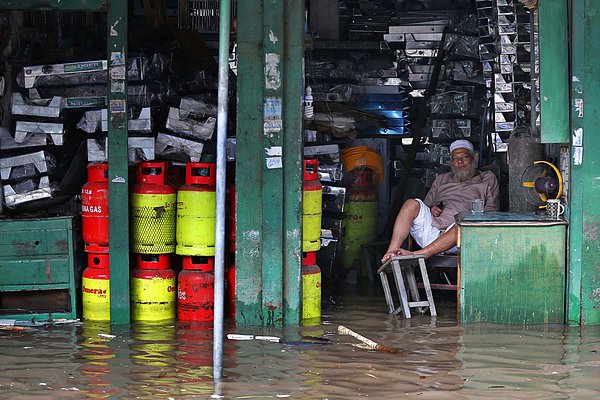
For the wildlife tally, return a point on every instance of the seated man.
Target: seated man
(451, 193)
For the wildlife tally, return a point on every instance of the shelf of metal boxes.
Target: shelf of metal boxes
(36, 260)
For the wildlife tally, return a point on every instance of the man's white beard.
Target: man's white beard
(464, 175)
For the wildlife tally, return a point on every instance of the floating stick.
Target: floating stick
(342, 330)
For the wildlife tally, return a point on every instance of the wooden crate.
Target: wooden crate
(37, 279)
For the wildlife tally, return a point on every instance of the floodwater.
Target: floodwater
(435, 359)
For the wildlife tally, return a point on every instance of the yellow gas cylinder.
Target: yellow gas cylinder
(311, 289)
(153, 289)
(153, 211)
(360, 219)
(95, 287)
(312, 207)
(196, 211)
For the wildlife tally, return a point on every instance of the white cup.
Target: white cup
(554, 208)
(477, 205)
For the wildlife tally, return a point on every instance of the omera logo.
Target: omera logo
(94, 291)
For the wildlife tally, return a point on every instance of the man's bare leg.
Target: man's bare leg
(408, 212)
(445, 242)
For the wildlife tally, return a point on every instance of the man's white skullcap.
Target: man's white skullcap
(461, 144)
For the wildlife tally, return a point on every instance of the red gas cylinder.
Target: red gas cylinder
(230, 291)
(196, 289)
(153, 211)
(94, 209)
(230, 218)
(312, 207)
(153, 288)
(95, 287)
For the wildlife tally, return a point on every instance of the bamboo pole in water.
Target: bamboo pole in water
(342, 330)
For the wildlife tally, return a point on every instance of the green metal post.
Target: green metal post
(118, 200)
(573, 309)
(223, 102)
(589, 173)
(272, 163)
(554, 71)
(292, 160)
(249, 161)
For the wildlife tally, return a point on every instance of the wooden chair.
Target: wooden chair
(402, 268)
(442, 266)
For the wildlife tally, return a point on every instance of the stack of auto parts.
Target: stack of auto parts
(506, 42)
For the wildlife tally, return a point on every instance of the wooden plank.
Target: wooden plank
(513, 275)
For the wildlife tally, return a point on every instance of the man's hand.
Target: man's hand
(389, 254)
(436, 211)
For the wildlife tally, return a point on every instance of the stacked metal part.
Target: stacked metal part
(32, 165)
(140, 144)
(83, 86)
(505, 50)
(26, 162)
(536, 121)
(188, 127)
(362, 72)
(367, 20)
(416, 37)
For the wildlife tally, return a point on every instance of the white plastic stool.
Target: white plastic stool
(403, 270)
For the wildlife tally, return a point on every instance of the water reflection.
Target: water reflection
(152, 352)
(436, 358)
(94, 355)
(195, 358)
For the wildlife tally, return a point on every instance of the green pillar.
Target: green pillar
(554, 71)
(249, 160)
(118, 180)
(268, 162)
(573, 316)
(292, 160)
(587, 171)
(272, 163)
